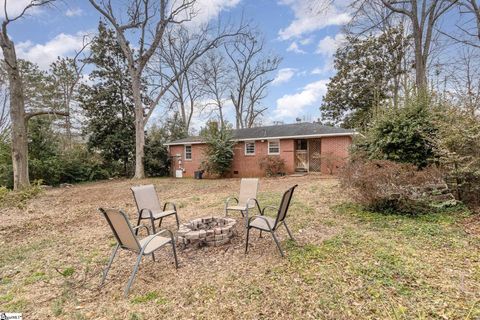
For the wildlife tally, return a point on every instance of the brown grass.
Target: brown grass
(346, 263)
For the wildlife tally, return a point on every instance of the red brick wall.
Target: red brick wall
(249, 166)
(334, 151)
(189, 165)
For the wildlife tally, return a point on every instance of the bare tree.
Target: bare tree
(178, 55)
(465, 79)
(18, 115)
(213, 74)
(423, 16)
(67, 73)
(468, 26)
(251, 76)
(147, 21)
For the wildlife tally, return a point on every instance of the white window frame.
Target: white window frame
(274, 153)
(185, 152)
(254, 148)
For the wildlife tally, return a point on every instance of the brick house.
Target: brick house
(305, 147)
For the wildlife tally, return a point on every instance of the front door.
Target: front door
(301, 155)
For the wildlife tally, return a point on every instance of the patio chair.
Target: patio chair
(127, 239)
(149, 206)
(246, 200)
(269, 224)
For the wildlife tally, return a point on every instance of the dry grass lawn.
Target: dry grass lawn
(346, 263)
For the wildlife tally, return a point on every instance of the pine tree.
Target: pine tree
(108, 103)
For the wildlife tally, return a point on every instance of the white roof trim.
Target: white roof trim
(276, 138)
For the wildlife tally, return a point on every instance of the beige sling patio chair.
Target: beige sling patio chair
(127, 239)
(247, 198)
(269, 224)
(149, 206)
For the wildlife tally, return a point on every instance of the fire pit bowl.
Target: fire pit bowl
(212, 231)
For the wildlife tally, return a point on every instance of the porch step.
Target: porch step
(299, 174)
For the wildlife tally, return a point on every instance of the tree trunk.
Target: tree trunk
(139, 128)
(17, 116)
(420, 71)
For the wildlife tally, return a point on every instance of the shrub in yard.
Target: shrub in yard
(458, 148)
(272, 165)
(331, 161)
(218, 154)
(404, 135)
(157, 162)
(389, 186)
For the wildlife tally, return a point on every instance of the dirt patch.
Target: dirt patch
(52, 254)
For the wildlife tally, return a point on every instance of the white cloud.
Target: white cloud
(206, 10)
(306, 41)
(15, 7)
(284, 75)
(328, 66)
(76, 12)
(295, 48)
(293, 105)
(313, 15)
(44, 54)
(328, 45)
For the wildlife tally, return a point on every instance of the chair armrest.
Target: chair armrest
(255, 203)
(149, 211)
(170, 203)
(228, 200)
(268, 207)
(142, 226)
(260, 217)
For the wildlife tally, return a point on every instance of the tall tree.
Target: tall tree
(108, 103)
(423, 16)
(252, 72)
(214, 76)
(18, 115)
(364, 82)
(147, 21)
(67, 73)
(177, 53)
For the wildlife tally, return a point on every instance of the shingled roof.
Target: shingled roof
(293, 130)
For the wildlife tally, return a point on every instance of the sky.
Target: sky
(306, 42)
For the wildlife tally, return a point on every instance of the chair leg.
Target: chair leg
(178, 222)
(277, 243)
(288, 231)
(246, 244)
(246, 217)
(105, 272)
(153, 257)
(132, 277)
(153, 226)
(138, 223)
(175, 254)
(260, 233)
(160, 223)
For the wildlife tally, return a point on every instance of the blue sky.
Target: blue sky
(306, 42)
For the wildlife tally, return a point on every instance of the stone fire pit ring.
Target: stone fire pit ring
(211, 231)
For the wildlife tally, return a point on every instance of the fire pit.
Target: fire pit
(213, 231)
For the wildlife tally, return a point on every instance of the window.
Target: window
(249, 148)
(188, 152)
(302, 144)
(273, 147)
